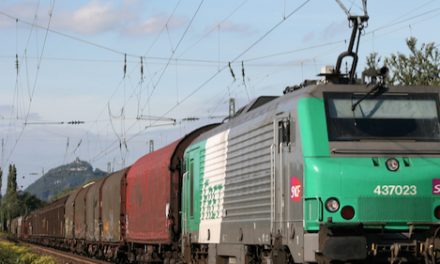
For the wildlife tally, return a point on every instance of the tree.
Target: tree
(10, 206)
(1, 181)
(420, 67)
(373, 60)
(28, 202)
(12, 181)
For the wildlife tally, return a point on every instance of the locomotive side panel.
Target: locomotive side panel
(229, 174)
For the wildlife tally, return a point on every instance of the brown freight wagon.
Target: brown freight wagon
(69, 219)
(26, 226)
(47, 224)
(104, 216)
(79, 215)
(93, 217)
(113, 207)
(79, 218)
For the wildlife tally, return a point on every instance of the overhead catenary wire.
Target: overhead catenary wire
(20, 134)
(177, 59)
(208, 80)
(146, 65)
(15, 106)
(403, 20)
(120, 52)
(331, 43)
(215, 27)
(163, 28)
(175, 48)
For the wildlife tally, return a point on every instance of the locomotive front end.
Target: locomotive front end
(372, 181)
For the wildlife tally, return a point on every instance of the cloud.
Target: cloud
(155, 23)
(34, 117)
(131, 2)
(24, 10)
(98, 17)
(332, 31)
(309, 37)
(232, 27)
(92, 18)
(7, 110)
(335, 29)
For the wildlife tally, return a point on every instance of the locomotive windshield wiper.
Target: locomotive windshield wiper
(378, 89)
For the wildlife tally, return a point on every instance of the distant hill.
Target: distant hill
(64, 177)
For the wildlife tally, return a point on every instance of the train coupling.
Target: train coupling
(431, 248)
(408, 252)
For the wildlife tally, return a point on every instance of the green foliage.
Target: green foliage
(10, 205)
(12, 180)
(15, 254)
(373, 61)
(28, 202)
(420, 67)
(1, 181)
(14, 204)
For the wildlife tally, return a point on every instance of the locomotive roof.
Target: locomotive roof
(267, 105)
(257, 108)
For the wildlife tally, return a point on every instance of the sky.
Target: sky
(135, 71)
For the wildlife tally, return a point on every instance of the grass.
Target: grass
(11, 253)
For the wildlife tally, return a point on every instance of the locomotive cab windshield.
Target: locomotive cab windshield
(392, 116)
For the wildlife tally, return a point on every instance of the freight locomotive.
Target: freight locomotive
(335, 170)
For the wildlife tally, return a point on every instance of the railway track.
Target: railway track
(63, 257)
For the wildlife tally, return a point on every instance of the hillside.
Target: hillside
(64, 177)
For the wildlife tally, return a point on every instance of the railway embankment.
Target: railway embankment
(13, 253)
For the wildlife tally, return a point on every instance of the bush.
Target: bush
(11, 253)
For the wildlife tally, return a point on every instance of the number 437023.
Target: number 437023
(406, 190)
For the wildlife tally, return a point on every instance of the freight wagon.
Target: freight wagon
(130, 215)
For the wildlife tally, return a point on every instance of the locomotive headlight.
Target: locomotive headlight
(332, 205)
(392, 164)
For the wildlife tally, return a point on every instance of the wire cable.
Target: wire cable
(35, 82)
(207, 81)
(174, 50)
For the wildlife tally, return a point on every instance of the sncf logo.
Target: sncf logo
(436, 186)
(295, 189)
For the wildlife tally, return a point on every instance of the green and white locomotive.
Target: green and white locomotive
(334, 170)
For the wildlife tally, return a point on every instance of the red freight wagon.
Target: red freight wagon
(153, 196)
